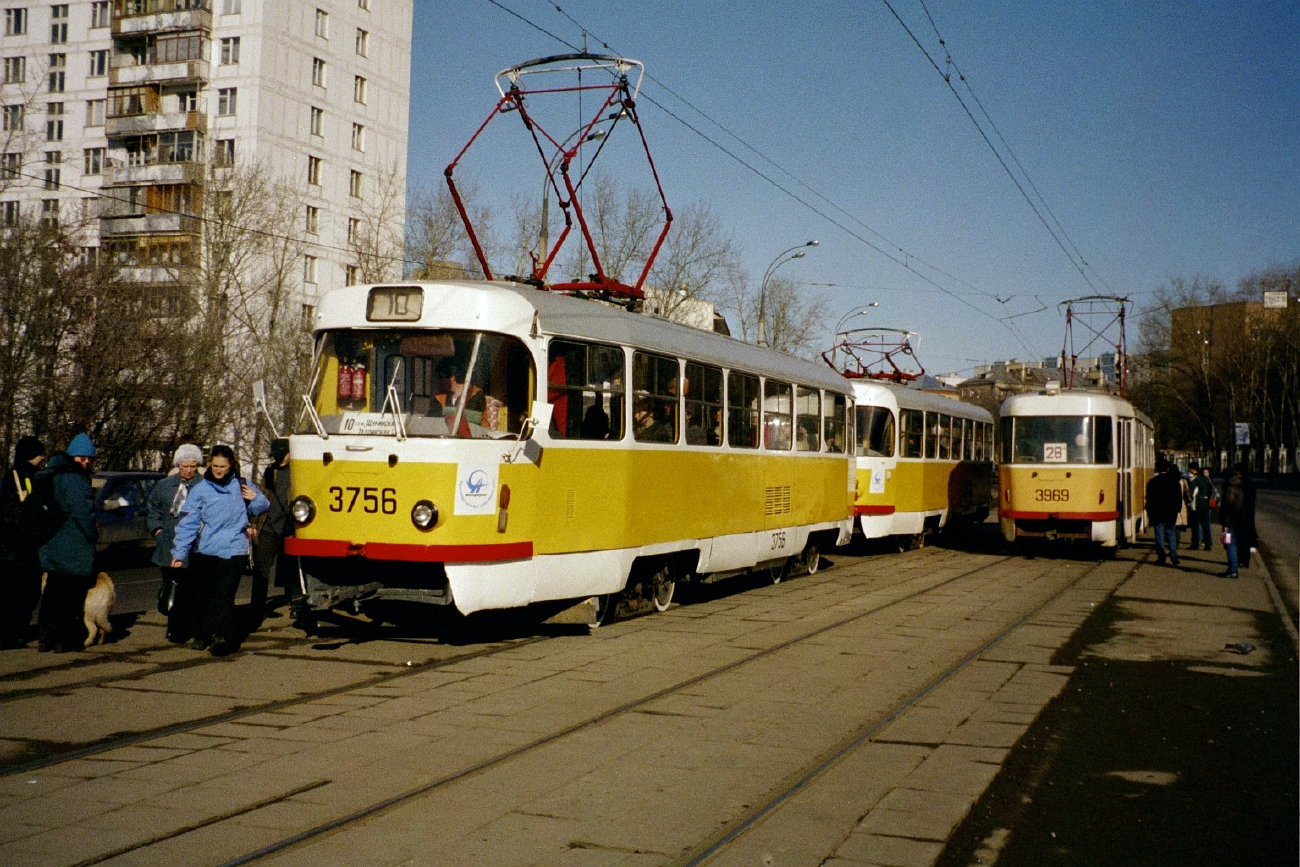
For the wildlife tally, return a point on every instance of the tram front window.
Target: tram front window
(1060, 439)
(468, 384)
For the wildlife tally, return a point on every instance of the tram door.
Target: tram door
(1124, 488)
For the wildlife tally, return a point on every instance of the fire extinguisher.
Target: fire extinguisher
(358, 381)
(345, 380)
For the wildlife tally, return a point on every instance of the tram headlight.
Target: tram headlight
(303, 510)
(424, 514)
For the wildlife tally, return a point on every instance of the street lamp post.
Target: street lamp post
(784, 256)
(858, 311)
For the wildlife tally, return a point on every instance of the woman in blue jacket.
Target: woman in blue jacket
(214, 524)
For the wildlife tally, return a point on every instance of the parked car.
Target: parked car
(122, 519)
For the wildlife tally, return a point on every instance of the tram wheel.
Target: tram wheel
(662, 584)
(812, 557)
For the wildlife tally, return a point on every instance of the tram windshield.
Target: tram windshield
(436, 383)
(876, 431)
(1057, 439)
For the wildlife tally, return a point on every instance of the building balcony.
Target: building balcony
(161, 19)
(153, 173)
(147, 224)
(160, 121)
(143, 275)
(131, 73)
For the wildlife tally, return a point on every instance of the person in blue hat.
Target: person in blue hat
(68, 558)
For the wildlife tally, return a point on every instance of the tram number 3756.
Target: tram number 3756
(1051, 495)
(373, 500)
(778, 541)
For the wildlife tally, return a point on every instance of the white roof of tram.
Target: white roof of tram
(511, 308)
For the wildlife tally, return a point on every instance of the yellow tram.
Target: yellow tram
(489, 445)
(923, 461)
(1074, 465)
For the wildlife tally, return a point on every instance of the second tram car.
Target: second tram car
(923, 461)
(1074, 465)
(489, 445)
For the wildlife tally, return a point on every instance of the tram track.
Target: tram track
(378, 807)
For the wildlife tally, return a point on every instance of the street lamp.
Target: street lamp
(784, 256)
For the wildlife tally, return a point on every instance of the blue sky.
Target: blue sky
(1163, 139)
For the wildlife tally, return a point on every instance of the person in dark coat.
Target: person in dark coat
(273, 568)
(20, 562)
(1202, 493)
(165, 503)
(1237, 516)
(69, 558)
(1164, 502)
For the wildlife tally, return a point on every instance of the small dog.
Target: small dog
(99, 601)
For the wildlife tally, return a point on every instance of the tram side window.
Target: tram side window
(977, 440)
(807, 418)
(943, 433)
(654, 407)
(960, 438)
(876, 428)
(742, 411)
(835, 409)
(913, 432)
(584, 386)
(702, 393)
(988, 442)
(776, 415)
(1008, 439)
(931, 435)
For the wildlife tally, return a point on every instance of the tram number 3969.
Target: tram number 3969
(373, 500)
(778, 541)
(1044, 495)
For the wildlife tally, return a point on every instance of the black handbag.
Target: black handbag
(167, 595)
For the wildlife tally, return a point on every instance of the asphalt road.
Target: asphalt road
(1277, 520)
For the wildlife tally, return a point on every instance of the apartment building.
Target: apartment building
(125, 109)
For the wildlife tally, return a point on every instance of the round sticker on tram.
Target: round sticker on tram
(476, 488)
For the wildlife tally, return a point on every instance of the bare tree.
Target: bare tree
(437, 244)
(376, 242)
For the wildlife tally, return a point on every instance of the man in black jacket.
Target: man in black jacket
(1164, 501)
(20, 564)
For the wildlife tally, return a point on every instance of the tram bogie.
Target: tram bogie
(1074, 466)
(509, 446)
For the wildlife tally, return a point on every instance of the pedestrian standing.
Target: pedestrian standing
(271, 562)
(1232, 509)
(20, 561)
(69, 558)
(1164, 500)
(166, 501)
(213, 534)
(1202, 492)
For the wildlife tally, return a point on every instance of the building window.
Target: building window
(188, 100)
(15, 22)
(95, 112)
(358, 137)
(59, 24)
(11, 165)
(12, 212)
(54, 121)
(13, 118)
(317, 120)
(230, 51)
(309, 269)
(313, 170)
(94, 161)
(354, 184)
(350, 274)
(230, 7)
(354, 231)
(322, 24)
(50, 212)
(313, 219)
(58, 67)
(15, 70)
(226, 99)
(99, 15)
(359, 90)
(363, 42)
(98, 63)
(52, 178)
(318, 72)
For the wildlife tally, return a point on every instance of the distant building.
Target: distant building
(994, 383)
(683, 309)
